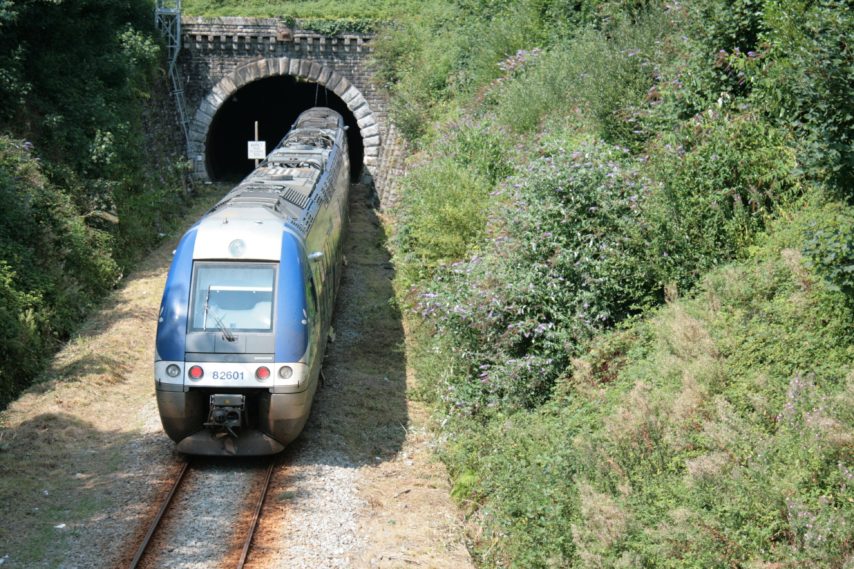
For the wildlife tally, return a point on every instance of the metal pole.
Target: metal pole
(256, 140)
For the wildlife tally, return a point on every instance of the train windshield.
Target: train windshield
(232, 297)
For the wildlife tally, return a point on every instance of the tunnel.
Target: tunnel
(275, 102)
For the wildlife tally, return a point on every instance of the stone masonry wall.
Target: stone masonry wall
(221, 55)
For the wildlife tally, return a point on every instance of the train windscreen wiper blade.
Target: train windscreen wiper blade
(227, 334)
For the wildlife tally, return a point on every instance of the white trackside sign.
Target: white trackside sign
(256, 149)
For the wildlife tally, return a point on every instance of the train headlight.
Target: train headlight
(237, 248)
(196, 372)
(173, 370)
(262, 372)
(286, 372)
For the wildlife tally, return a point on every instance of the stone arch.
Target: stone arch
(294, 67)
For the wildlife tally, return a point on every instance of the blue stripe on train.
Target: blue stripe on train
(291, 333)
(172, 326)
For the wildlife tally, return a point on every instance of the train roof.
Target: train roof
(293, 180)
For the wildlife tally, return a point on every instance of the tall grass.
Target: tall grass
(601, 75)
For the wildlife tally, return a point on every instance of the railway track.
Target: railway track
(152, 541)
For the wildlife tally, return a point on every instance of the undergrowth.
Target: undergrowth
(716, 432)
(625, 250)
(89, 178)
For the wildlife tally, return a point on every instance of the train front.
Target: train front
(233, 337)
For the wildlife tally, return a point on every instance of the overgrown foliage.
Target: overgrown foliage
(715, 433)
(82, 192)
(636, 330)
(329, 17)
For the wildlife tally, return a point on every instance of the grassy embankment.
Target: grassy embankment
(626, 251)
(325, 16)
(89, 176)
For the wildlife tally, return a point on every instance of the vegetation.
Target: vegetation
(625, 250)
(626, 253)
(325, 16)
(81, 199)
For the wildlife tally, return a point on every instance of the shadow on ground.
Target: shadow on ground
(361, 409)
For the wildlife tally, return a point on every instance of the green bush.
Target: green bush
(498, 465)
(85, 177)
(720, 179)
(54, 267)
(452, 51)
(21, 340)
(701, 76)
(423, 50)
(802, 79)
(829, 248)
(600, 76)
(478, 146)
(716, 433)
(790, 62)
(443, 215)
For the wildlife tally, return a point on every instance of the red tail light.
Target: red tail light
(196, 372)
(262, 372)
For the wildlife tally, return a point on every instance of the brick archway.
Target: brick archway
(305, 69)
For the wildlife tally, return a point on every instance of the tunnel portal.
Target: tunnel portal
(275, 102)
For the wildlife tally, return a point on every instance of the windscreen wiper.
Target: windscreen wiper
(227, 334)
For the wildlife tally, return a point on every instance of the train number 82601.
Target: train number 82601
(227, 375)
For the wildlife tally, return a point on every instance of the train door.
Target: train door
(314, 322)
(331, 276)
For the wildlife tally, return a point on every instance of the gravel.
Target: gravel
(321, 516)
(208, 516)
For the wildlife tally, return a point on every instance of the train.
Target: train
(248, 300)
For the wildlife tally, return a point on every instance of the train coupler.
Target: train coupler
(226, 412)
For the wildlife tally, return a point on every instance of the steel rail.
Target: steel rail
(156, 523)
(242, 561)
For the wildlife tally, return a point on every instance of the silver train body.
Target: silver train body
(248, 301)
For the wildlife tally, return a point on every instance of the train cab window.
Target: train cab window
(232, 297)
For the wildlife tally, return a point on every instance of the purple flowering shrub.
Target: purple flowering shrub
(722, 436)
(562, 262)
(581, 240)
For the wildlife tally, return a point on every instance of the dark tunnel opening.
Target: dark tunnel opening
(275, 102)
